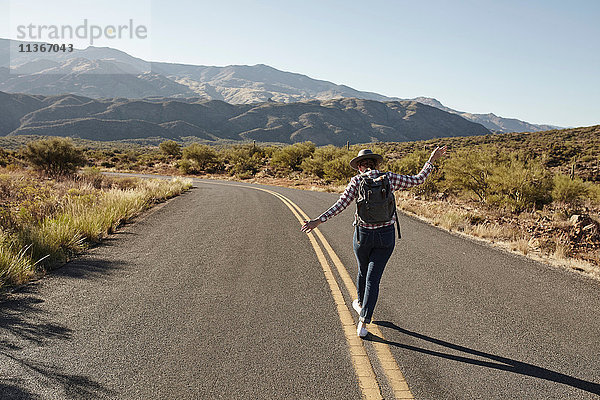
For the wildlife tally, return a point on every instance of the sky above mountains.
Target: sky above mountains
(533, 60)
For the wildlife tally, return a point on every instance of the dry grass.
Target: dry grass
(15, 265)
(452, 221)
(561, 248)
(491, 231)
(81, 215)
(520, 245)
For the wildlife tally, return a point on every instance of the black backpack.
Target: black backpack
(375, 202)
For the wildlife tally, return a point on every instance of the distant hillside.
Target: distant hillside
(490, 121)
(322, 122)
(103, 72)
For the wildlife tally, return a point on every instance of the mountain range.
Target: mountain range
(104, 73)
(323, 122)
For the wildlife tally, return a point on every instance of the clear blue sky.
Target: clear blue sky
(537, 61)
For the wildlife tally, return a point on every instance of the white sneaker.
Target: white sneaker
(356, 306)
(361, 331)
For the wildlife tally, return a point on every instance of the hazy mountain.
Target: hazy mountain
(320, 121)
(103, 72)
(490, 121)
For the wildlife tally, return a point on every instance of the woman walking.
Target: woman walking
(374, 236)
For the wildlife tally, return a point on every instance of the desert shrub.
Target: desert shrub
(185, 166)
(289, 158)
(569, 191)
(338, 170)
(594, 192)
(107, 164)
(54, 157)
(330, 163)
(170, 148)
(24, 201)
(561, 153)
(411, 164)
(150, 158)
(518, 184)
(93, 176)
(199, 158)
(243, 160)
(468, 170)
(4, 158)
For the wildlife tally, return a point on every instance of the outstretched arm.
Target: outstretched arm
(406, 181)
(339, 206)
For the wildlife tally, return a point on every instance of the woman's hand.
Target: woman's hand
(310, 225)
(438, 153)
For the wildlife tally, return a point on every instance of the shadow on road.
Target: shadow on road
(498, 362)
(26, 326)
(14, 392)
(88, 267)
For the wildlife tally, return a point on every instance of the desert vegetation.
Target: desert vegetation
(52, 211)
(538, 193)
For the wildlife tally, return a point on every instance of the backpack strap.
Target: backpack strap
(395, 210)
(398, 224)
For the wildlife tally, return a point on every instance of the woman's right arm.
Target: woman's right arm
(406, 181)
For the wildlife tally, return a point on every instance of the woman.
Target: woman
(373, 242)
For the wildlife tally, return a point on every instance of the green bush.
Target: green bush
(199, 158)
(185, 166)
(170, 148)
(330, 163)
(569, 191)
(470, 170)
(243, 160)
(289, 158)
(410, 164)
(338, 170)
(594, 192)
(107, 164)
(54, 157)
(519, 185)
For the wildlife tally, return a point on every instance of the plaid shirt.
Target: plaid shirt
(397, 182)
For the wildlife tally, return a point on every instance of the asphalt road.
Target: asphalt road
(217, 294)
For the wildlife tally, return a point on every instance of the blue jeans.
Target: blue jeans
(372, 249)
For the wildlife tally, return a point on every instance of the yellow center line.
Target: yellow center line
(362, 365)
(387, 361)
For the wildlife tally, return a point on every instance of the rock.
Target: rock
(575, 219)
(589, 227)
(581, 220)
(584, 229)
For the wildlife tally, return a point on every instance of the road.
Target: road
(217, 294)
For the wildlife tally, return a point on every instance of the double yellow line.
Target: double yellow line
(362, 364)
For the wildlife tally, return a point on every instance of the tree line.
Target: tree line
(513, 180)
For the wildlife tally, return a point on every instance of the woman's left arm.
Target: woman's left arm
(339, 206)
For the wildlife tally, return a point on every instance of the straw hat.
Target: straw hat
(366, 153)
